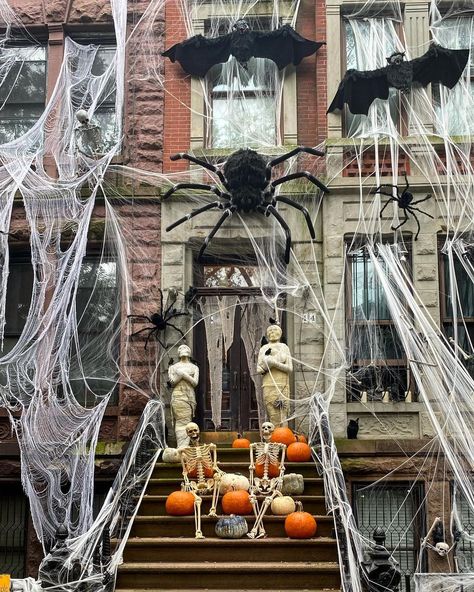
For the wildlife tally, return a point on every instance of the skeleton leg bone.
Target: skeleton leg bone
(215, 494)
(197, 516)
(258, 530)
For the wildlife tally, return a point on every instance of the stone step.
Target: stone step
(215, 576)
(245, 549)
(307, 469)
(227, 590)
(163, 486)
(183, 526)
(154, 505)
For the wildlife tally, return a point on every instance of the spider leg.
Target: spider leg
(204, 186)
(154, 330)
(288, 155)
(407, 186)
(418, 201)
(142, 330)
(410, 208)
(377, 189)
(405, 220)
(139, 317)
(161, 300)
(416, 220)
(178, 314)
(214, 204)
(302, 209)
(384, 193)
(305, 174)
(176, 328)
(211, 235)
(207, 165)
(272, 210)
(386, 204)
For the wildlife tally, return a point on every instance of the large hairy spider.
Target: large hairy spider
(160, 320)
(246, 177)
(405, 202)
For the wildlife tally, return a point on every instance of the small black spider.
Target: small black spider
(160, 320)
(405, 202)
(246, 177)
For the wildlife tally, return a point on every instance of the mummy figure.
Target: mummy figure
(265, 454)
(198, 462)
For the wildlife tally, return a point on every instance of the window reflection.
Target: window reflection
(230, 276)
(22, 91)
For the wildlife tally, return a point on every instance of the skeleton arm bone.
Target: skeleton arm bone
(187, 485)
(251, 466)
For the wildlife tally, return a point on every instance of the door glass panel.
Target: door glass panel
(230, 276)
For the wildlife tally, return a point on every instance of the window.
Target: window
(398, 508)
(82, 97)
(22, 90)
(19, 289)
(97, 308)
(379, 368)
(13, 528)
(243, 104)
(368, 43)
(464, 306)
(455, 108)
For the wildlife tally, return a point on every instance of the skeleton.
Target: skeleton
(265, 453)
(195, 459)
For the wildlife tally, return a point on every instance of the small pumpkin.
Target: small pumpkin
(236, 502)
(273, 470)
(283, 505)
(234, 482)
(283, 436)
(300, 524)
(171, 455)
(301, 438)
(180, 503)
(298, 452)
(240, 442)
(293, 484)
(231, 527)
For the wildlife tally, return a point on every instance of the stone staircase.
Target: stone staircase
(162, 553)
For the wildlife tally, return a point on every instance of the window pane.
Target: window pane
(243, 103)
(465, 288)
(368, 43)
(97, 306)
(230, 276)
(22, 91)
(465, 547)
(20, 285)
(368, 297)
(455, 110)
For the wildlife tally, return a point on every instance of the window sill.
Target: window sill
(217, 153)
(381, 407)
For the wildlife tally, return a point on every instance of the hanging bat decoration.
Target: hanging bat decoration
(359, 89)
(283, 46)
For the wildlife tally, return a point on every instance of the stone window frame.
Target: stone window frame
(288, 115)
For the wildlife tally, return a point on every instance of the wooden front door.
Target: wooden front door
(237, 283)
(239, 402)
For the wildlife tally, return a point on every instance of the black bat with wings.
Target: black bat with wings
(283, 46)
(359, 89)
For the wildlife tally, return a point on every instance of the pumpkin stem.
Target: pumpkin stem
(299, 506)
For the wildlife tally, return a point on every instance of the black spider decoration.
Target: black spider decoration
(246, 178)
(160, 320)
(405, 202)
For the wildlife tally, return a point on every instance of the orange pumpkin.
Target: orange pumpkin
(299, 524)
(208, 473)
(237, 502)
(283, 436)
(298, 452)
(240, 442)
(301, 438)
(273, 470)
(180, 503)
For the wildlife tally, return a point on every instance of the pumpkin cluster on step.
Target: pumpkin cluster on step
(236, 501)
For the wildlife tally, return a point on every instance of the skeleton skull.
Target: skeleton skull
(442, 549)
(192, 431)
(267, 430)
